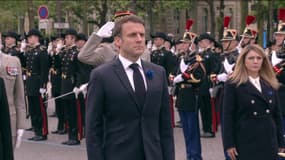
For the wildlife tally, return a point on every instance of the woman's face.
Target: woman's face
(253, 62)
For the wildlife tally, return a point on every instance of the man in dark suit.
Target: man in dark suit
(128, 115)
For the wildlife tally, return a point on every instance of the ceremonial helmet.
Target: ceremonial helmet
(281, 23)
(250, 31)
(229, 34)
(189, 37)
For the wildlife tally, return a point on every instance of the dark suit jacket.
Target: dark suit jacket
(252, 121)
(6, 148)
(116, 127)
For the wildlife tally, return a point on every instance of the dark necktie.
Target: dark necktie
(139, 84)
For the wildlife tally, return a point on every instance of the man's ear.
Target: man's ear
(117, 41)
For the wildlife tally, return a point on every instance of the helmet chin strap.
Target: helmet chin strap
(229, 45)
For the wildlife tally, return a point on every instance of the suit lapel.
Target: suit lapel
(120, 72)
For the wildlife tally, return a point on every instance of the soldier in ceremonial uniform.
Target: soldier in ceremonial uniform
(10, 45)
(250, 33)
(55, 79)
(84, 71)
(212, 65)
(229, 55)
(69, 83)
(160, 55)
(37, 77)
(277, 57)
(191, 71)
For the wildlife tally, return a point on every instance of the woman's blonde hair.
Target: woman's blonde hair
(266, 73)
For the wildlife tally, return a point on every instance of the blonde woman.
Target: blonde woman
(252, 116)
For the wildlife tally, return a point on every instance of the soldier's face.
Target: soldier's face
(204, 43)
(33, 39)
(185, 46)
(10, 41)
(158, 42)
(69, 40)
(80, 43)
(131, 42)
(167, 45)
(229, 44)
(279, 39)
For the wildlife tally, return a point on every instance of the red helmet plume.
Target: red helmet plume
(189, 24)
(227, 20)
(249, 19)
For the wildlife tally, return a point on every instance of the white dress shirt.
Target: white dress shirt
(256, 83)
(129, 71)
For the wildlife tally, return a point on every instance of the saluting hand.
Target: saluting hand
(232, 152)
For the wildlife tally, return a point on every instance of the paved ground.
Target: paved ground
(53, 150)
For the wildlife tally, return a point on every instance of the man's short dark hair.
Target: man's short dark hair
(117, 30)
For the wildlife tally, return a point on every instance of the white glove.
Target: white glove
(20, 133)
(23, 45)
(58, 47)
(83, 89)
(274, 59)
(106, 30)
(49, 49)
(228, 67)
(178, 79)
(222, 77)
(76, 91)
(43, 91)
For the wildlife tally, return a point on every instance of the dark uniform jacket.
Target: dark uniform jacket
(213, 66)
(55, 74)
(74, 73)
(36, 69)
(187, 90)
(252, 121)
(164, 58)
(14, 51)
(231, 58)
(6, 147)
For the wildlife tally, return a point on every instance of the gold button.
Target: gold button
(252, 101)
(182, 86)
(267, 111)
(255, 113)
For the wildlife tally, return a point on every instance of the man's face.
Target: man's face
(204, 43)
(131, 42)
(184, 46)
(158, 41)
(32, 40)
(167, 45)
(80, 43)
(229, 44)
(245, 41)
(69, 40)
(279, 39)
(10, 41)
